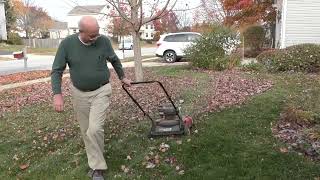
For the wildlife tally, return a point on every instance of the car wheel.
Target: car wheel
(170, 56)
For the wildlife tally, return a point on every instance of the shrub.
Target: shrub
(214, 49)
(254, 67)
(14, 38)
(254, 38)
(299, 116)
(297, 58)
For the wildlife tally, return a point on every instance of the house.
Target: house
(147, 31)
(3, 29)
(100, 12)
(59, 30)
(297, 22)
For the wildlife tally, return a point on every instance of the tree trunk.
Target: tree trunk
(136, 41)
(137, 57)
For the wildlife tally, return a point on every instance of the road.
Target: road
(39, 62)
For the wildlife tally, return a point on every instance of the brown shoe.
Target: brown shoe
(97, 175)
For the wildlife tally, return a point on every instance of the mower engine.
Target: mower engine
(168, 116)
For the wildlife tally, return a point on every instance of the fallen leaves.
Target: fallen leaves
(304, 140)
(233, 88)
(24, 166)
(164, 147)
(125, 169)
(150, 165)
(284, 150)
(23, 76)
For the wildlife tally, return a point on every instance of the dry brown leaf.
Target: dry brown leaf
(24, 166)
(284, 150)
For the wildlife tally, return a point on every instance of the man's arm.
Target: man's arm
(58, 66)
(115, 61)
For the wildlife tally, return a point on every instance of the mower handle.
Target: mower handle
(149, 82)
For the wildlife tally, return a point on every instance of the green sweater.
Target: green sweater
(87, 63)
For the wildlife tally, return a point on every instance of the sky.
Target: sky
(58, 9)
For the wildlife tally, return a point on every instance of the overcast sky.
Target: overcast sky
(58, 9)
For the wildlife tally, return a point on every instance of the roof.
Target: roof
(82, 10)
(59, 25)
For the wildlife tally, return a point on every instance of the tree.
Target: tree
(239, 13)
(136, 17)
(33, 20)
(202, 28)
(10, 15)
(119, 26)
(167, 23)
(248, 12)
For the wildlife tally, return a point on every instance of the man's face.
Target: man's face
(90, 35)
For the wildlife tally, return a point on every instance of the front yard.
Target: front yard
(234, 114)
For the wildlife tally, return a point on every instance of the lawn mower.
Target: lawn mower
(170, 121)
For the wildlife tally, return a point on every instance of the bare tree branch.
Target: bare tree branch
(158, 16)
(118, 8)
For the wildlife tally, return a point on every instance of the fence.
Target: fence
(42, 43)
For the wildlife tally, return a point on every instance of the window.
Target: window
(146, 26)
(146, 35)
(74, 31)
(151, 27)
(176, 38)
(151, 35)
(193, 37)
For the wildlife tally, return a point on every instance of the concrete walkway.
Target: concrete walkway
(145, 63)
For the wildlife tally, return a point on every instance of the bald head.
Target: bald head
(89, 29)
(88, 23)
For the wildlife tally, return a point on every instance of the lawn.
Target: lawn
(232, 138)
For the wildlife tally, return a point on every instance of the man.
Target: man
(86, 53)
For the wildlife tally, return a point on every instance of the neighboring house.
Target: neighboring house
(3, 29)
(100, 12)
(147, 31)
(59, 30)
(297, 22)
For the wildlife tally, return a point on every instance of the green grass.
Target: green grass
(236, 143)
(52, 51)
(39, 51)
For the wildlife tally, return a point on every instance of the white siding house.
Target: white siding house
(147, 31)
(100, 12)
(3, 29)
(59, 30)
(297, 22)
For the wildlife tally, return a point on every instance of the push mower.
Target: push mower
(170, 121)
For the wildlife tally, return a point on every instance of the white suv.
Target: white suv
(172, 45)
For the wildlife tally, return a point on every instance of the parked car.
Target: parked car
(126, 44)
(172, 45)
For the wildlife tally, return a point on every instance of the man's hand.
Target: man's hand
(58, 102)
(126, 81)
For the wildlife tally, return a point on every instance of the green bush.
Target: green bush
(299, 116)
(214, 49)
(254, 67)
(14, 38)
(297, 58)
(253, 39)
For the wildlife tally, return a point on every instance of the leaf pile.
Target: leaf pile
(23, 76)
(233, 88)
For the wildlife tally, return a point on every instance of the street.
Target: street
(40, 62)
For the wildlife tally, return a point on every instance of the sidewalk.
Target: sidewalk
(125, 65)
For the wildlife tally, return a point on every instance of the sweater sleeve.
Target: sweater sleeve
(114, 60)
(58, 66)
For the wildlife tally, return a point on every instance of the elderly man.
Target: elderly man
(86, 53)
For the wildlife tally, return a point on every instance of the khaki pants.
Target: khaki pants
(90, 109)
